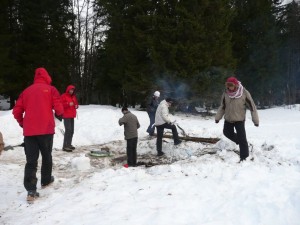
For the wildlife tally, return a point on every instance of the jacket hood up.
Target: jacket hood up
(69, 88)
(42, 76)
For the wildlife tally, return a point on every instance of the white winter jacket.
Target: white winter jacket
(162, 114)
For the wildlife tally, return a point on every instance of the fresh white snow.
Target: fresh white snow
(206, 189)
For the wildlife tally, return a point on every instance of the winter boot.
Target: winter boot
(67, 149)
(47, 184)
(160, 153)
(32, 195)
(177, 142)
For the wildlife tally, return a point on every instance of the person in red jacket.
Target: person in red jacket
(34, 113)
(70, 104)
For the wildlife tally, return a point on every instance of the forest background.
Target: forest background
(119, 52)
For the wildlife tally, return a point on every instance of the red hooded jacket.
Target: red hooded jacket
(67, 98)
(37, 102)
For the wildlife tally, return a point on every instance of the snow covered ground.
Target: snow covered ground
(197, 188)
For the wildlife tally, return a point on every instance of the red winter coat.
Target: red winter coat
(38, 102)
(66, 98)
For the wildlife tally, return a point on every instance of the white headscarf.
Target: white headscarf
(236, 94)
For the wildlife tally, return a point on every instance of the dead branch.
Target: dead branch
(195, 139)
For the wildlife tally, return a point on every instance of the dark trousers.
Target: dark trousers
(239, 137)
(151, 128)
(160, 133)
(131, 151)
(33, 146)
(69, 131)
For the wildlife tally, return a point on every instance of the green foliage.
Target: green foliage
(151, 41)
(34, 33)
(185, 49)
(290, 52)
(256, 38)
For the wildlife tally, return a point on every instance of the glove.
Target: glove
(217, 121)
(256, 125)
(58, 117)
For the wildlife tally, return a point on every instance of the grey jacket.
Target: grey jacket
(234, 109)
(131, 124)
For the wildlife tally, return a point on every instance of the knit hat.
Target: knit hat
(124, 109)
(169, 100)
(156, 94)
(232, 80)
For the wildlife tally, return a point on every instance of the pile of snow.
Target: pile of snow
(81, 163)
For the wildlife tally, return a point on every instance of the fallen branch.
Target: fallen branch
(11, 147)
(195, 139)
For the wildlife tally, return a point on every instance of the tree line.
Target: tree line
(120, 52)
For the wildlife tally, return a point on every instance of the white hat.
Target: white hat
(156, 94)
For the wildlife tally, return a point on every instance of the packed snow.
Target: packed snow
(197, 183)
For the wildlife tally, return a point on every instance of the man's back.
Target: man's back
(37, 102)
(131, 124)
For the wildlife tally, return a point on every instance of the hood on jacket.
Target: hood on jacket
(69, 88)
(42, 76)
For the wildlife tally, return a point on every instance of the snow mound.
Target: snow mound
(81, 163)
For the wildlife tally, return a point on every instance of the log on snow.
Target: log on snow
(195, 139)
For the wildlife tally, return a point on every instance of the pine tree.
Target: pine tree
(152, 41)
(291, 51)
(256, 46)
(34, 33)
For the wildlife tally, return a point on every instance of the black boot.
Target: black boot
(46, 184)
(32, 195)
(160, 153)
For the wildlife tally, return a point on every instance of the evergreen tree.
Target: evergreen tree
(8, 47)
(256, 46)
(34, 33)
(150, 41)
(290, 19)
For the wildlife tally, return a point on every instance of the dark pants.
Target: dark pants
(69, 131)
(151, 128)
(131, 151)
(160, 132)
(239, 137)
(33, 146)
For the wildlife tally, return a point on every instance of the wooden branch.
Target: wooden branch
(195, 139)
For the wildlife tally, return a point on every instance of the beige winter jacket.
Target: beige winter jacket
(162, 114)
(234, 109)
(131, 124)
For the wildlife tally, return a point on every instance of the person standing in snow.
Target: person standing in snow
(131, 125)
(233, 107)
(34, 113)
(1, 143)
(162, 121)
(70, 104)
(151, 110)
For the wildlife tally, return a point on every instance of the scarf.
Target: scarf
(236, 94)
